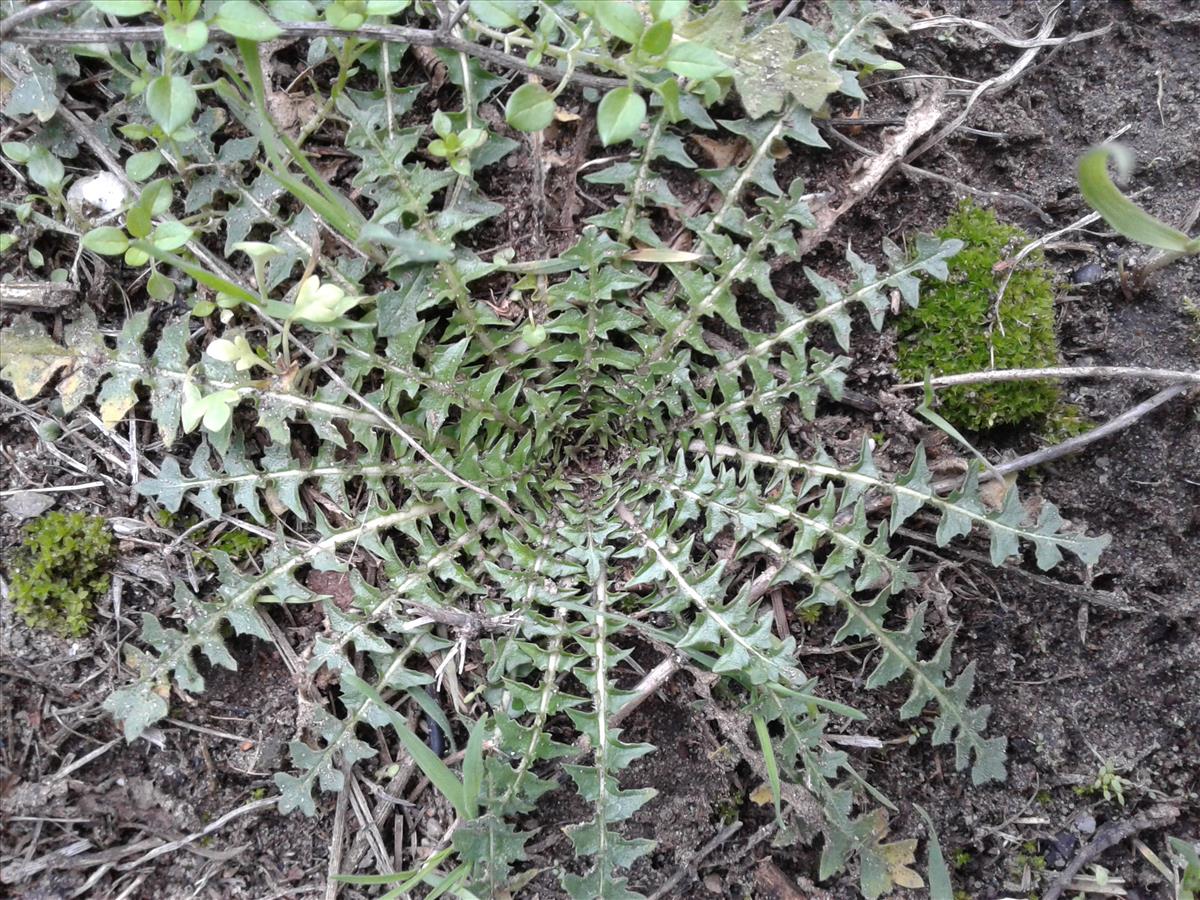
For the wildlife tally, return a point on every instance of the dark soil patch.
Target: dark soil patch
(1081, 668)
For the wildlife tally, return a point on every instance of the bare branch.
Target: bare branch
(1003, 36)
(398, 34)
(1063, 372)
(45, 8)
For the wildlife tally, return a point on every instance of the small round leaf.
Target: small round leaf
(530, 108)
(142, 165)
(657, 38)
(186, 37)
(244, 19)
(171, 100)
(107, 241)
(171, 236)
(619, 115)
(137, 221)
(693, 60)
(123, 7)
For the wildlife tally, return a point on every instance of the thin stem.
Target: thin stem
(417, 37)
(639, 180)
(345, 59)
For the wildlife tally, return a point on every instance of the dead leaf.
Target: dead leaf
(722, 153)
(661, 255)
(899, 856)
(565, 115)
(994, 491)
(762, 795)
(332, 584)
(29, 357)
(291, 113)
(895, 859)
(28, 504)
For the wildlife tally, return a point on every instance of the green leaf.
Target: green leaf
(619, 115)
(665, 10)
(124, 8)
(106, 240)
(137, 708)
(246, 20)
(171, 236)
(770, 763)
(473, 767)
(768, 71)
(939, 875)
(692, 60)
(138, 221)
(34, 93)
(17, 151)
(1125, 216)
(386, 7)
(620, 17)
(141, 166)
(186, 37)
(160, 287)
(45, 169)
(656, 39)
(171, 100)
(435, 770)
(501, 13)
(529, 108)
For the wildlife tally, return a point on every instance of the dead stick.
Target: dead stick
(1064, 372)
(1075, 444)
(698, 857)
(414, 37)
(919, 122)
(1109, 836)
(1000, 83)
(32, 12)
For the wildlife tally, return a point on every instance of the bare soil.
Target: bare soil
(1081, 668)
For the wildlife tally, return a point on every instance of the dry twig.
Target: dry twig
(1004, 37)
(398, 34)
(923, 117)
(1135, 373)
(1110, 835)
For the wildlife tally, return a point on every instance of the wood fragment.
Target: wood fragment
(922, 119)
(38, 294)
(1159, 816)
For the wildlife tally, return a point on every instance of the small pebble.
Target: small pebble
(1085, 823)
(1087, 274)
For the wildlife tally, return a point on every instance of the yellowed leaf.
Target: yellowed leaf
(661, 255)
(722, 153)
(113, 409)
(30, 358)
(762, 795)
(899, 856)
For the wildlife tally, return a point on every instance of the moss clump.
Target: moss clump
(59, 569)
(947, 334)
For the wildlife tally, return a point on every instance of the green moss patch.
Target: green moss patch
(948, 333)
(59, 570)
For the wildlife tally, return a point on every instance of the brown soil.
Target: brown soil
(1081, 668)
